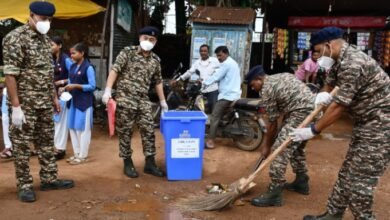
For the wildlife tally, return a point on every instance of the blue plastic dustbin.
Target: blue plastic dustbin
(183, 133)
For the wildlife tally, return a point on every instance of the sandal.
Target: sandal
(59, 154)
(209, 144)
(6, 154)
(77, 161)
(72, 158)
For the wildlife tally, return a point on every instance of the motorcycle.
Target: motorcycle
(319, 81)
(99, 108)
(172, 95)
(242, 122)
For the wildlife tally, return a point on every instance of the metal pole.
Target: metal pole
(263, 36)
(102, 40)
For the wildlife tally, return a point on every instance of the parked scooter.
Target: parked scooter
(242, 122)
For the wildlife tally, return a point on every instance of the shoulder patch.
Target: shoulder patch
(130, 48)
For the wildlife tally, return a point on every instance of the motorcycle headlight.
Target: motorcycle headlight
(199, 103)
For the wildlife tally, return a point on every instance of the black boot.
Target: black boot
(129, 169)
(60, 154)
(58, 184)
(325, 216)
(273, 197)
(151, 167)
(300, 184)
(26, 195)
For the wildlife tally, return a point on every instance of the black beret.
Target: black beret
(254, 72)
(326, 34)
(42, 8)
(149, 30)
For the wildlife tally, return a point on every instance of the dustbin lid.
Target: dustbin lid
(184, 115)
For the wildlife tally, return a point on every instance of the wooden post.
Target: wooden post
(102, 41)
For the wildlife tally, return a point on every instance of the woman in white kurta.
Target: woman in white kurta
(7, 152)
(81, 86)
(61, 130)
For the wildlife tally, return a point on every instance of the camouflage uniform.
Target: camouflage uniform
(27, 56)
(283, 94)
(365, 91)
(135, 75)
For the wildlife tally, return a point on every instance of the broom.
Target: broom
(241, 186)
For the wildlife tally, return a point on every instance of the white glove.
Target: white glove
(164, 106)
(106, 96)
(323, 98)
(301, 134)
(18, 117)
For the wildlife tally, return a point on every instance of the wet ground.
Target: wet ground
(103, 192)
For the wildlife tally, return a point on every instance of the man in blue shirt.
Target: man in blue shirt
(229, 88)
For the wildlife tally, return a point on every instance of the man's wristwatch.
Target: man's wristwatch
(313, 129)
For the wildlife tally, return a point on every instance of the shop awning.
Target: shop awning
(18, 9)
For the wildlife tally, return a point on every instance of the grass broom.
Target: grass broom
(236, 189)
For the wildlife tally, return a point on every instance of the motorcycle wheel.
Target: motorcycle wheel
(252, 142)
(313, 87)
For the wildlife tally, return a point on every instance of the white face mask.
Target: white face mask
(326, 62)
(43, 26)
(146, 45)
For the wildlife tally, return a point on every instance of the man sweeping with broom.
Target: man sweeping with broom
(365, 93)
(282, 94)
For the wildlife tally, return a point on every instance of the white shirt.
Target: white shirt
(206, 68)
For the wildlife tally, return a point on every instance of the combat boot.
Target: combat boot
(57, 184)
(129, 169)
(325, 216)
(300, 184)
(26, 195)
(151, 167)
(273, 197)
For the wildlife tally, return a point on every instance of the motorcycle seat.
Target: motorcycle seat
(248, 104)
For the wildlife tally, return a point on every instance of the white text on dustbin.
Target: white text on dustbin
(185, 148)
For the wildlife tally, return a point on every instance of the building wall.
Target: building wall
(122, 38)
(237, 38)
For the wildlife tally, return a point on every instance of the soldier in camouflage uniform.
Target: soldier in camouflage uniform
(29, 80)
(135, 69)
(282, 94)
(364, 91)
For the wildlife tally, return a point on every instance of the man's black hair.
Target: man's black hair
(222, 49)
(204, 45)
